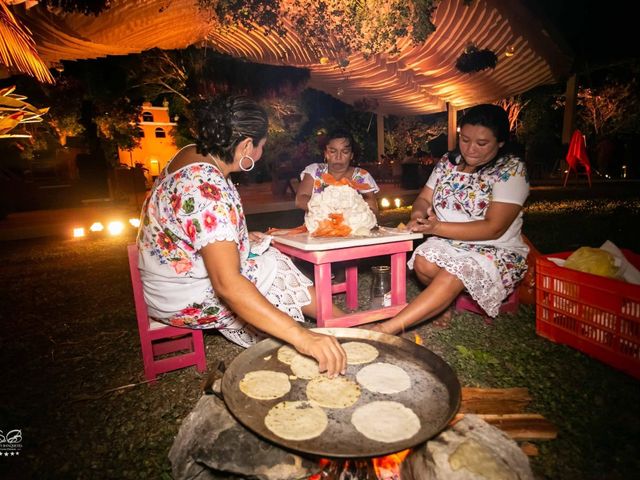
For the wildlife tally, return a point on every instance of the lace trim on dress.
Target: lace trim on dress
(219, 236)
(288, 293)
(242, 334)
(483, 288)
(290, 289)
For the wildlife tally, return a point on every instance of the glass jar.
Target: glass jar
(380, 286)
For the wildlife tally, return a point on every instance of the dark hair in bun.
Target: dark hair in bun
(223, 122)
(493, 117)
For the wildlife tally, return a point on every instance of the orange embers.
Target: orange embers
(388, 468)
(418, 339)
(322, 464)
(380, 468)
(333, 226)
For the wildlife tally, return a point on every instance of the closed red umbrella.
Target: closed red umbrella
(577, 155)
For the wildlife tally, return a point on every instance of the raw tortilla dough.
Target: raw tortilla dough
(386, 422)
(286, 354)
(360, 352)
(338, 392)
(296, 420)
(305, 367)
(265, 384)
(383, 378)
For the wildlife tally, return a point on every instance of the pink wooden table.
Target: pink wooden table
(322, 252)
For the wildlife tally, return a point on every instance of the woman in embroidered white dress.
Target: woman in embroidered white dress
(337, 170)
(472, 208)
(196, 263)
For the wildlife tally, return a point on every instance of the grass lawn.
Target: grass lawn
(69, 340)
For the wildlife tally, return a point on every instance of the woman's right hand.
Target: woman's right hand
(326, 350)
(418, 223)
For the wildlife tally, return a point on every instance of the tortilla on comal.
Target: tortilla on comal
(286, 354)
(338, 392)
(265, 384)
(296, 420)
(360, 352)
(385, 421)
(383, 378)
(305, 367)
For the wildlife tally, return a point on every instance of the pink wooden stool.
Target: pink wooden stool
(158, 339)
(464, 302)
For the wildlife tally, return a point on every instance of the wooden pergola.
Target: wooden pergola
(419, 79)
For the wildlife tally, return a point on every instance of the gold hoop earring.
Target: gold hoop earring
(253, 163)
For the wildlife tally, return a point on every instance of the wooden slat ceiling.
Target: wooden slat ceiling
(419, 79)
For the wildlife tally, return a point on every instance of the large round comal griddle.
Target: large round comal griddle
(434, 395)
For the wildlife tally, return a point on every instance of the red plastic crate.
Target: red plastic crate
(597, 315)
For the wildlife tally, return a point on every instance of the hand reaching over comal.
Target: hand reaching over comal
(326, 350)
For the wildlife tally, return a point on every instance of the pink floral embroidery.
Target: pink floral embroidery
(176, 202)
(206, 320)
(190, 228)
(181, 266)
(210, 221)
(165, 242)
(210, 191)
(190, 311)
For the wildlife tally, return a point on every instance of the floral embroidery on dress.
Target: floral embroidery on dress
(198, 315)
(180, 219)
(470, 193)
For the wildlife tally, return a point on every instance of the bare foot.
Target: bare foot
(375, 327)
(444, 319)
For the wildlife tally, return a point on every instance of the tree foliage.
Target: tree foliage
(86, 7)
(66, 106)
(335, 28)
(540, 128)
(117, 123)
(609, 110)
(407, 136)
(513, 106)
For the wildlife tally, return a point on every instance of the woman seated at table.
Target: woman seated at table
(471, 207)
(337, 170)
(196, 263)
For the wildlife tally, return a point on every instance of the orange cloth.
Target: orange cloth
(578, 152)
(334, 226)
(286, 231)
(329, 180)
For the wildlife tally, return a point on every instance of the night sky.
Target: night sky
(598, 31)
